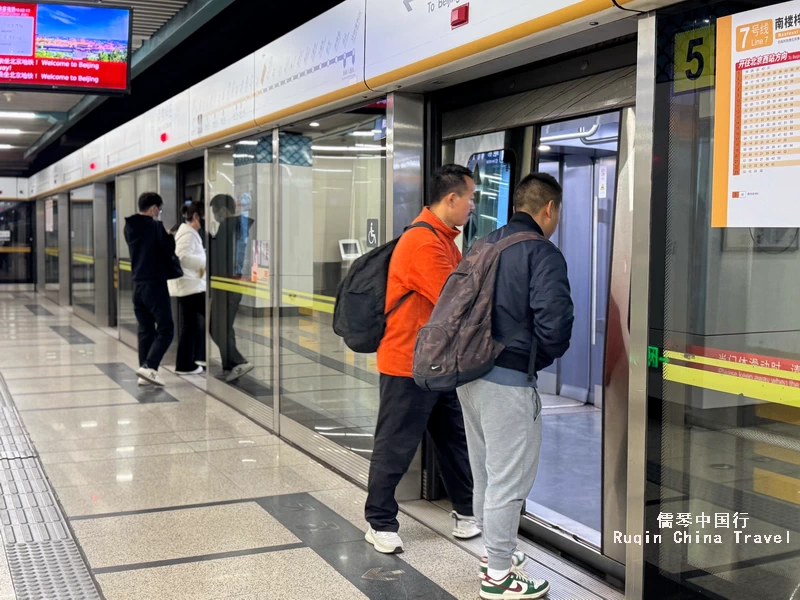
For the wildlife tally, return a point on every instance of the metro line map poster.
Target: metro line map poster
(757, 121)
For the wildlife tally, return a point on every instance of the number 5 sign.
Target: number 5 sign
(694, 59)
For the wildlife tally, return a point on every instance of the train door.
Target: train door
(583, 155)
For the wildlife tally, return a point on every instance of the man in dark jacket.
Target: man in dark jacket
(151, 249)
(227, 252)
(502, 411)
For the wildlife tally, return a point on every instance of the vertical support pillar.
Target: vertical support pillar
(405, 155)
(102, 256)
(64, 250)
(405, 197)
(168, 190)
(40, 243)
(276, 285)
(640, 294)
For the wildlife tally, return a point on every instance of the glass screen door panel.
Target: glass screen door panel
(493, 173)
(582, 155)
(51, 251)
(82, 258)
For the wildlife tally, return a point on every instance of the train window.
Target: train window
(493, 173)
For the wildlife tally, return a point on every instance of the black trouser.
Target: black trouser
(405, 412)
(191, 341)
(224, 307)
(151, 305)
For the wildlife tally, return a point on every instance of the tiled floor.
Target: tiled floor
(174, 495)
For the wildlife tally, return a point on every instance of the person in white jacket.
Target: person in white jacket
(191, 293)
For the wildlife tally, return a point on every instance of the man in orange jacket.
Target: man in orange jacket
(421, 263)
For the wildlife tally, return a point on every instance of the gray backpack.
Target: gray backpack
(456, 346)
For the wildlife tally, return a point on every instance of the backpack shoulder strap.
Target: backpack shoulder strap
(427, 226)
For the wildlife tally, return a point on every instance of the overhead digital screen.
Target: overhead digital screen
(64, 47)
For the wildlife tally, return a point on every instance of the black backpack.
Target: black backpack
(359, 315)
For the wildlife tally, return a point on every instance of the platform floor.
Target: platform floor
(171, 494)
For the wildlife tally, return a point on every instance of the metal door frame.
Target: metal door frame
(610, 558)
(101, 244)
(167, 188)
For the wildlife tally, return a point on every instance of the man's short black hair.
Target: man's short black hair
(148, 200)
(195, 208)
(223, 201)
(536, 191)
(447, 180)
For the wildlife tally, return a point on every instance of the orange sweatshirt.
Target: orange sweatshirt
(421, 263)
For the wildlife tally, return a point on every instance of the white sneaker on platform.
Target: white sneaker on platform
(197, 371)
(150, 375)
(465, 528)
(143, 381)
(517, 560)
(386, 542)
(239, 371)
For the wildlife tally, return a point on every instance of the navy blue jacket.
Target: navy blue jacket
(531, 285)
(151, 248)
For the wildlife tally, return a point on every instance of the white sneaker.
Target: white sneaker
(201, 363)
(517, 560)
(150, 375)
(197, 371)
(143, 381)
(386, 542)
(517, 584)
(239, 371)
(465, 528)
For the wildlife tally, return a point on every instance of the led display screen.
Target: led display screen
(65, 47)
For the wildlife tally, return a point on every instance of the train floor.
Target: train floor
(171, 494)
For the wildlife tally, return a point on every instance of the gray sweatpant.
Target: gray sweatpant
(504, 435)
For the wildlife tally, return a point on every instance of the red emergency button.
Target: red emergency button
(459, 16)
(92, 166)
(164, 137)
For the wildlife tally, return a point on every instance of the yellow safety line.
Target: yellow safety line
(748, 368)
(776, 485)
(125, 265)
(731, 384)
(51, 251)
(242, 282)
(292, 300)
(14, 250)
(330, 299)
(238, 289)
(83, 258)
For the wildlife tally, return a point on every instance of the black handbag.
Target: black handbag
(174, 270)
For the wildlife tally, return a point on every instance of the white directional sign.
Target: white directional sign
(411, 36)
(318, 58)
(222, 102)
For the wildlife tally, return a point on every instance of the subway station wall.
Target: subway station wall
(358, 49)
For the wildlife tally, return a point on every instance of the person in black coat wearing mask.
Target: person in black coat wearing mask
(151, 249)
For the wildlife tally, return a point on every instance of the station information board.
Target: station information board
(757, 120)
(64, 46)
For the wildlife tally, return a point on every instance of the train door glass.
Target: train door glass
(112, 221)
(51, 282)
(582, 155)
(82, 259)
(128, 188)
(492, 172)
